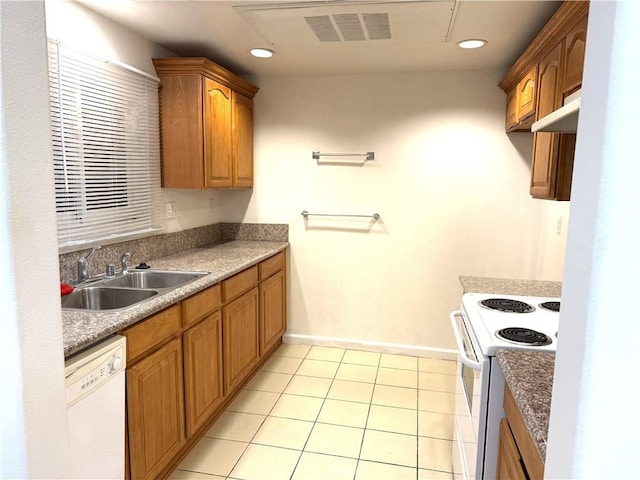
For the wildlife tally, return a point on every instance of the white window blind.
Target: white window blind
(106, 149)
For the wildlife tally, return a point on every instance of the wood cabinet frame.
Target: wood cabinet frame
(183, 369)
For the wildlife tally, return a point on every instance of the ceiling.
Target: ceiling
(376, 35)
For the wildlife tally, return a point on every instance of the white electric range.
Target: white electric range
(485, 324)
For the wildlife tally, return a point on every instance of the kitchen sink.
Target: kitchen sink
(105, 298)
(126, 290)
(153, 279)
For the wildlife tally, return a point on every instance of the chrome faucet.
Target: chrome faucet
(82, 264)
(123, 262)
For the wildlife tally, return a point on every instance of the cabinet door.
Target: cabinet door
(155, 411)
(574, 58)
(546, 145)
(242, 140)
(217, 134)
(509, 463)
(511, 115)
(181, 131)
(240, 334)
(202, 346)
(272, 311)
(527, 98)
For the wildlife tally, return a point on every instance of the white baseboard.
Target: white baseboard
(382, 347)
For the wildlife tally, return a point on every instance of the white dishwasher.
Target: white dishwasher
(95, 387)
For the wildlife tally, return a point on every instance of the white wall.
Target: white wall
(85, 30)
(450, 185)
(33, 426)
(552, 239)
(594, 407)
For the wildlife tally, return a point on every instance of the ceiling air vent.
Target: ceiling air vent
(350, 27)
(323, 28)
(377, 25)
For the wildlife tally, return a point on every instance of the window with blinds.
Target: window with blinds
(106, 149)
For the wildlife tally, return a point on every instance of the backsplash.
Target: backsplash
(157, 246)
(271, 232)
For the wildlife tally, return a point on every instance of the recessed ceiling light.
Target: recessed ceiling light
(262, 52)
(472, 43)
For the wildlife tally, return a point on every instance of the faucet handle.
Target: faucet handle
(93, 250)
(110, 270)
(82, 264)
(123, 262)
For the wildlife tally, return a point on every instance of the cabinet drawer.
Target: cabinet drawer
(151, 332)
(271, 266)
(200, 304)
(239, 283)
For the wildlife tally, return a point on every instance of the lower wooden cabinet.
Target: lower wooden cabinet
(240, 338)
(155, 411)
(509, 461)
(202, 345)
(272, 311)
(518, 455)
(185, 363)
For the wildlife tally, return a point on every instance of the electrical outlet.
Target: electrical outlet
(211, 206)
(559, 225)
(169, 210)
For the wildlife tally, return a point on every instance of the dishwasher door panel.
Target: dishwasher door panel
(96, 431)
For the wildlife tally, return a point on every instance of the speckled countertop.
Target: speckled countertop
(529, 376)
(507, 286)
(82, 329)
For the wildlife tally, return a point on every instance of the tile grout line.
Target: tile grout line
(324, 399)
(375, 380)
(268, 415)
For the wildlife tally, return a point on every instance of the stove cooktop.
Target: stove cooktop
(487, 314)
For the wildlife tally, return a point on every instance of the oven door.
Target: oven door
(472, 375)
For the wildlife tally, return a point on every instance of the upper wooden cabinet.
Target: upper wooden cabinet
(206, 118)
(521, 103)
(546, 145)
(218, 160)
(574, 58)
(537, 83)
(511, 115)
(242, 134)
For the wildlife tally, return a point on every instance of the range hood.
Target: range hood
(562, 120)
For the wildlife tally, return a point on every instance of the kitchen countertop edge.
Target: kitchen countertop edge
(509, 286)
(529, 376)
(82, 329)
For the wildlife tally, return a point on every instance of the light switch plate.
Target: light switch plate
(169, 210)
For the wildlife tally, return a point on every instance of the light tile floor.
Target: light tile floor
(314, 413)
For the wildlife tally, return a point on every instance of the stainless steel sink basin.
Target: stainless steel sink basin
(104, 298)
(153, 279)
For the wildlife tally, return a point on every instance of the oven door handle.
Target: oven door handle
(463, 354)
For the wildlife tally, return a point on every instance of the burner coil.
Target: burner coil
(507, 305)
(523, 336)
